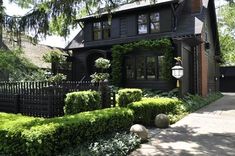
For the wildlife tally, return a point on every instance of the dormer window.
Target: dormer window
(101, 30)
(149, 23)
(155, 22)
(106, 30)
(97, 31)
(143, 24)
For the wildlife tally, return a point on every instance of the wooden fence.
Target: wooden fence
(45, 99)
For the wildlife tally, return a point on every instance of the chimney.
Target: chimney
(196, 6)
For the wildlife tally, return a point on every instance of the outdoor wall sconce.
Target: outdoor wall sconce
(177, 71)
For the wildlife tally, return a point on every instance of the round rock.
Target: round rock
(162, 121)
(140, 130)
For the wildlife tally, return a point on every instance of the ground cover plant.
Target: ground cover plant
(21, 135)
(192, 103)
(115, 144)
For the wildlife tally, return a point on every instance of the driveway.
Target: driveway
(209, 131)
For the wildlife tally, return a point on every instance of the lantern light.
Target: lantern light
(177, 71)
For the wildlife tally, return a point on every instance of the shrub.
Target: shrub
(118, 144)
(195, 102)
(77, 102)
(128, 95)
(146, 110)
(35, 136)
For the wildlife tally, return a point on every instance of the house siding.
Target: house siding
(115, 26)
(88, 32)
(213, 66)
(132, 25)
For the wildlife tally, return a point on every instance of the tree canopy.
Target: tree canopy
(227, 32)
(56, 16)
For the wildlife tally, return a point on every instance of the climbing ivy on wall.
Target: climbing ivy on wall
(119, 51)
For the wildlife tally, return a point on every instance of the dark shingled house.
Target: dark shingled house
(189, 24)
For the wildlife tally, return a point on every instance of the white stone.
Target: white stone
(162, 121)
(140, 130)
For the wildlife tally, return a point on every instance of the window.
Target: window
(97, 30)
(140, 68)
(149, 21)
(160, 67)
(106, 30)
(101, 30)
(151, 68)
(143, 24)
(130, 68)
(144, 68)
(155, 22)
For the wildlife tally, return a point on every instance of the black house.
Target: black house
(189, 24)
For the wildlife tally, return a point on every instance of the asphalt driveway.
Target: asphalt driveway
(209, 131)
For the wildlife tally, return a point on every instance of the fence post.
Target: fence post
(50, 102)
(105, 95)
(17, 103)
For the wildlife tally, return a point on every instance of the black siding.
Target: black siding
(88, 32)
(115, 33)
(131, 25)
(165, 20)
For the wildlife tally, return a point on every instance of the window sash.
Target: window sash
(155, 27)
(97, 34)
(155, 17)
(151, 68)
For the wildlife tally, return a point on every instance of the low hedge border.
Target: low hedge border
(36, 136)
(146, 110)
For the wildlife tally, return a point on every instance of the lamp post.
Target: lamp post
(177, 72)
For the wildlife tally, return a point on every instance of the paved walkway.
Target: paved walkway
(208, 132)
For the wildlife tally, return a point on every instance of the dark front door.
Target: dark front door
(91, 62)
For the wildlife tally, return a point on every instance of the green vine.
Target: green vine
(118, 52)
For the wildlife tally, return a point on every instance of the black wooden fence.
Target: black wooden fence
(45, 99)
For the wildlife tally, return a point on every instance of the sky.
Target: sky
(55, 41)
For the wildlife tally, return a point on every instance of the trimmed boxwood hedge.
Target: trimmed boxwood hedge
(20, 135)
(146, 110)
(82, 101)
(128, 95)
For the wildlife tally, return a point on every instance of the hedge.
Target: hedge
(146, 110)
(37, 136)
(82, 101)
(128, 95)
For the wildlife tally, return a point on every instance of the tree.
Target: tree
(55, 16)
(227, 33)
